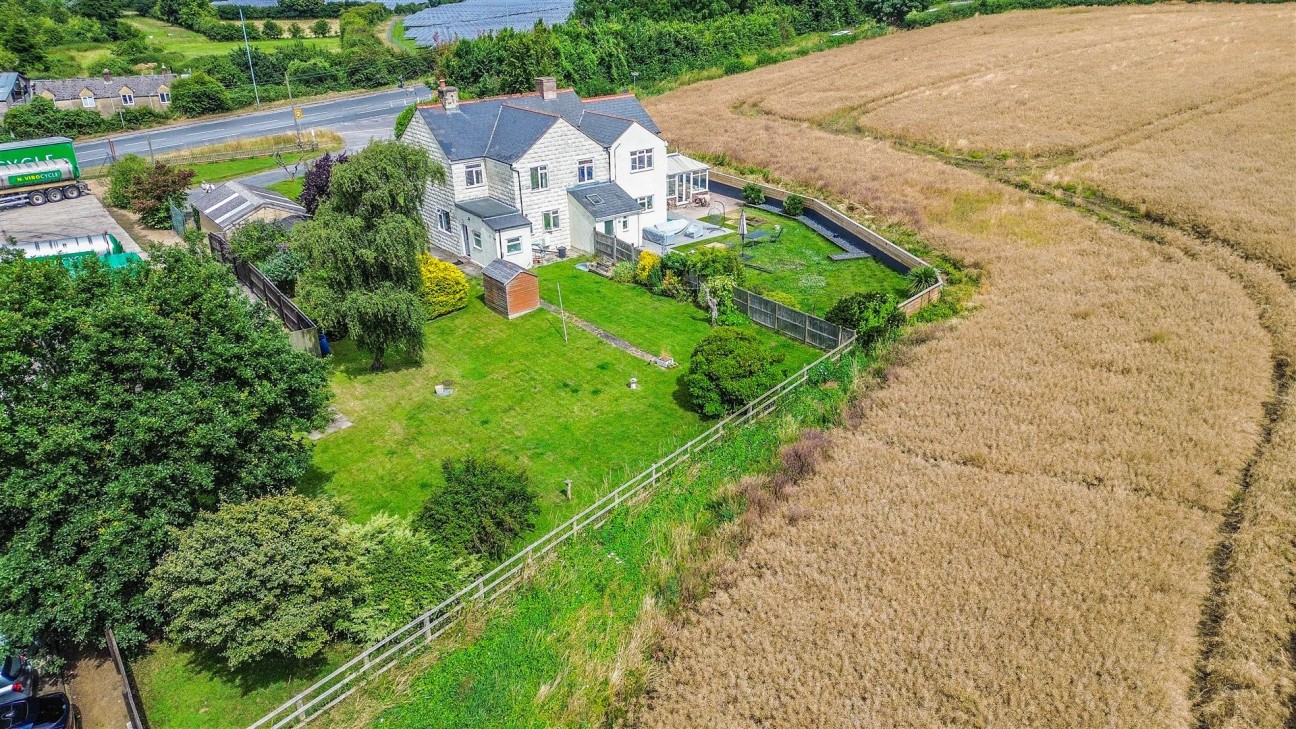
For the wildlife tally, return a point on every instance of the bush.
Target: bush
(730, 368)
(153, 193)
(257, 241)
(122, 176)
(922, 278)
(283, 268)
(407, 572)
(710, 262)
(40, 118)
(623, 272)
(873, 316)
(272, 30)
(199, 94)
(320, 28)
(675, 262)
(753, 193)
(794, 205)
(274, 577)
(735, 65)
(403, 119)
(647, 262)
(781, 297)
(296, 31)
(485, 504)
(673, 287)
(445, 288)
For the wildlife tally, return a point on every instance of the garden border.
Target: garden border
(421, 631)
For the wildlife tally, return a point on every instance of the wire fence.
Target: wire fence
(421, 631)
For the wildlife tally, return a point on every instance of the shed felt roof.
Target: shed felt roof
(503, 271)
(495, 214)
(68, 89)
(232, 202)
(603, 200)
(503, 128)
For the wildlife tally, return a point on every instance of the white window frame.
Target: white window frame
(443, 220)
(540, 177)
(477, 241)
(474, 171)
(128, 99)
(641, 160)
(584, 171)
(625, 223)
(646, 203)
(509, 245)
(87, 102)
(552, 220)
(164, 97)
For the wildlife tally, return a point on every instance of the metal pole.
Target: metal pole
(149, 137)
(248, 48)
(563, 313)
(296, 121)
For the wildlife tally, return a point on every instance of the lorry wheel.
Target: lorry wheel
(71, 192)
(54, 194)
(36, 198)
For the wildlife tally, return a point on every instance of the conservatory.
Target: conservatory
(686, 180)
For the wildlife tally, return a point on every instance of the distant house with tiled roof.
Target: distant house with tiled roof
(541, 169)
(13, 90)
(107, 93)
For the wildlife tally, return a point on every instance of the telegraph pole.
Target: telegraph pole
(248, 48)
(296, 121)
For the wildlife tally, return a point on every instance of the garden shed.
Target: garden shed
(510, 289)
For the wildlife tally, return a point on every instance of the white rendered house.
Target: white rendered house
(539, 170)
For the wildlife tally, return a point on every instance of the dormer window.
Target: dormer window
(474, 175)
(127, 98)
(164, 97)
(87, 102)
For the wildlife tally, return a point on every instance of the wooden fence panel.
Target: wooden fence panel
(134, 707)
(613, 249)
(294, 319)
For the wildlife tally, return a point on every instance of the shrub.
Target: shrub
(199, 94)
(734, 65)
(122, 175)
(673, 287)
(257, 241)
(274, 577)
(403, 120)
(623, 272)
(794, 205)
(484, 505)
(445, 288)
(729, 368)
(315, 183)
(320, 28)
(407, 572)
(283, 268)
(873, 316)
(781, 297)
(710, 262)
(753, 193)
(647, 262)
(295, 31)
(272, 30)
(922, 278)
(675, 262)
(40, 118)
(153, 193)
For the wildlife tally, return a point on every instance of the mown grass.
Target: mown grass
(233, 169)
(182, 40)
(290, 189)
(185, 690)
(567, 648)
(798, 264)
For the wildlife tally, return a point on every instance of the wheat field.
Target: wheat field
(1073, 507)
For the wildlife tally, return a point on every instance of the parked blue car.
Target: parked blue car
(51, 711)
(16, 677)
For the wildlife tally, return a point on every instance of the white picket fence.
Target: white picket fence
(419, 632)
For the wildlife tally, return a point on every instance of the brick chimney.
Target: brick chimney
(107, 76)
(547, 87)
(450, 98)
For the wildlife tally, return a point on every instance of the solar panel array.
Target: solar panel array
(473, 18)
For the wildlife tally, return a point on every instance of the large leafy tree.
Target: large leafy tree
(199, 94)
(361, 251)
(131, 401)
(730, 368)
(485, 504)
(275, 577)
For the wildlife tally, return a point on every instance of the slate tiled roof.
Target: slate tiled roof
(495, 214)
(604, 200)
(233, 202)
(69, 89)
(504, 128)
(503, 271)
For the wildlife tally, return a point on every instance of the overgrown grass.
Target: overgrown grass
(798, 265)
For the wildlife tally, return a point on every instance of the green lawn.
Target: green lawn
(182, 690)
(183, 40)
(800, 266)
(561, 410)
(398, 37)
(232, 169)
(654, 324)
(288, 188)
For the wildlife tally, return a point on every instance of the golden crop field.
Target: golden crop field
(1074, 506)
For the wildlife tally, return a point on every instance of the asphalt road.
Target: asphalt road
(358, 114)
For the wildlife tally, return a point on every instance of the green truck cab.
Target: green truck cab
(37, 171)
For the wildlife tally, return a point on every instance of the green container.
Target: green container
(39, 150)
